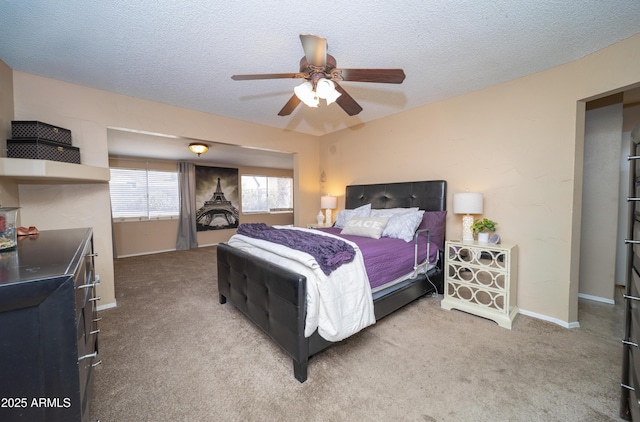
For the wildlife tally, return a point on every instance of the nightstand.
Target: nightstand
(481, 278)
(318, 226)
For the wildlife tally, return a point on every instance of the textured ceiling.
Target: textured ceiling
(184, 53)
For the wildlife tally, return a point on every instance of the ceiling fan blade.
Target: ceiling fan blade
(315, 49)
(266, 76)
(289, 106)
(347, 102)
(387, 76)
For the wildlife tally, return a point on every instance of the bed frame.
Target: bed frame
(274, 298)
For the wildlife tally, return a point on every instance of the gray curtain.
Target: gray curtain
(187, 234)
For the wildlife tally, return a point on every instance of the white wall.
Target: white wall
(623, 211)
(600, 202)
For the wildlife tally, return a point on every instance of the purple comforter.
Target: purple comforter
(330, 253)
(387, 259)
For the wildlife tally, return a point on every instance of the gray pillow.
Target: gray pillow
(403, 225)
(345, 215)
(365, 226)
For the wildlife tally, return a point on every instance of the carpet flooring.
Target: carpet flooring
(171, 352)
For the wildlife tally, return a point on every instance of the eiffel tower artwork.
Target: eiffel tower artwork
(217, 213)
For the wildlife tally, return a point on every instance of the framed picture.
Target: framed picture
(216, 198)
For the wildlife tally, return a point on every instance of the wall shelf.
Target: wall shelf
(45, 171)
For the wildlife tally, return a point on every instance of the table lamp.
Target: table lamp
(328, 202)
(467, 203)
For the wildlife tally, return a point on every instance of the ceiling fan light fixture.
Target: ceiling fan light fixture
(305, 93)
(319, 69)
(198, 148)
(326, 89)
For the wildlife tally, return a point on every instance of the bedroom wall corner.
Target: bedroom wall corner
(90, 112)
(516, 142)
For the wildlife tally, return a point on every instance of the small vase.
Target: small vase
(8, 229)
(483, 237)
(320, 217)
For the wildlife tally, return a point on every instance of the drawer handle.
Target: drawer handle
(94, 331)
(628, 387)
(629, 343)
(92, 254)
(631, 297)
(96, 364)
(86, 286)
(90, 355)
(93, 299)
(96, 319)
(627, 241)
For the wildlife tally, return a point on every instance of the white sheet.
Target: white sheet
(338, 305)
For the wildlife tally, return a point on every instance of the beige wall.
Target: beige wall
(8, 188)
(520, 144)
(6, 103)
(90, 112)
(136, 238)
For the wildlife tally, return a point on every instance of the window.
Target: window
(267, 194)
(143, 194)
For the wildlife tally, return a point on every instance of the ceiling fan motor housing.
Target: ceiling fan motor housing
(314, 73)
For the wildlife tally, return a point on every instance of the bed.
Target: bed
(274, 297)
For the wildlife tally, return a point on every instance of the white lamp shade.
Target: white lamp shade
(326, 89)
(328, 201)
(467, 203)
(305, 93)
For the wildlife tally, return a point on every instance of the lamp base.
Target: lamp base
(467, 233)
(327, 219)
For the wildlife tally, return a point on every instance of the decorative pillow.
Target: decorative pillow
(345, 215)
(403, 225)
(435, 221)
(365, 226)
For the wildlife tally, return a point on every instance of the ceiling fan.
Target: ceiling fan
(321, 76)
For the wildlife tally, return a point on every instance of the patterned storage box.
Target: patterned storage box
(35, 148)
(23, 129)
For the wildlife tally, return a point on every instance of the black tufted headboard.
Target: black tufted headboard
(429, 195)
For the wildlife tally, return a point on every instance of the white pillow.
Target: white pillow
(403, 225)
(345, 215)
(389, 212)
(365, 226)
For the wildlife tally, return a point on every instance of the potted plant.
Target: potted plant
(481, 228)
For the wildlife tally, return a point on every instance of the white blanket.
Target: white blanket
(338, 305)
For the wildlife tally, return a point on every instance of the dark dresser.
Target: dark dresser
(48, 327)
(630, 397)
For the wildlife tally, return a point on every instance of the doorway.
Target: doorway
(608, 124)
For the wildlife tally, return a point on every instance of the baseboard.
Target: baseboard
(162, 251)
(596, 298)
(107, 306)
(550, 319)
(145, 253)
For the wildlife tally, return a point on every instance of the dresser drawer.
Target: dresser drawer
(634, 405)
(47, 341)
(634, 305)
